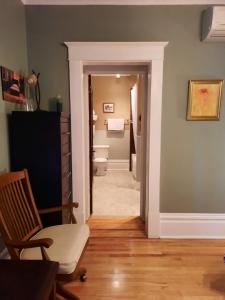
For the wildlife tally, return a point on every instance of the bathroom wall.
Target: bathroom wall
(110, 89)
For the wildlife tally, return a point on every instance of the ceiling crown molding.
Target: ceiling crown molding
(123, 2)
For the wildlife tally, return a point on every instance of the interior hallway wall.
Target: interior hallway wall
(13, 55)
(193, 160)
(109, 89)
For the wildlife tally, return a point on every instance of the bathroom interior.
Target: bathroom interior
(116, 101)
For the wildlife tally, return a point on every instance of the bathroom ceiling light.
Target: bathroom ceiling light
(117, 75)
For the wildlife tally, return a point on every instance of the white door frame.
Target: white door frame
(149, 53)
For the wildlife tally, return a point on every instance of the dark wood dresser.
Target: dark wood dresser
(40, 143)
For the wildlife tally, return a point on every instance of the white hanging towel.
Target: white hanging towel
(116, 124)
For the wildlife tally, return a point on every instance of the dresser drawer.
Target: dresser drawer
(65, 149)
(64, 118)
(66, 156)
(67, 197)
(66, 165)
(65, 138)
(66, 185)
(66, 217)
(65, 127)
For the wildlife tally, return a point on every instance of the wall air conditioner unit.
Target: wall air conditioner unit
(213, 24)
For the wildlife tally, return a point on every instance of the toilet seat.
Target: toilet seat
(99, 159)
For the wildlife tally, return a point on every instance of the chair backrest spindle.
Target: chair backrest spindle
(19, 218)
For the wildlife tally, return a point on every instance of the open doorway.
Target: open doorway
(116, 144)
(85, 54)
(117, 131)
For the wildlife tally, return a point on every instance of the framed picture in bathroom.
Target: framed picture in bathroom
(108, 107)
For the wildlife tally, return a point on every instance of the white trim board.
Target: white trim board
(192, 226)
(84, 53)
(123, 2)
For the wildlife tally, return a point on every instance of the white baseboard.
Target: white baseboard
(192, 226)
(118, 164)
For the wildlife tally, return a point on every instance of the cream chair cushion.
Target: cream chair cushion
(69, 242)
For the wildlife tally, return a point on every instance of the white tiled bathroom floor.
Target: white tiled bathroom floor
(116, 194)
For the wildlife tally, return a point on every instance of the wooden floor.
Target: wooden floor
(123, 264)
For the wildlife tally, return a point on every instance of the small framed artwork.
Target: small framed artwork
(12, 86)
(108, 107)
(204, 98)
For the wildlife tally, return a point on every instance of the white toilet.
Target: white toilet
(100, 160)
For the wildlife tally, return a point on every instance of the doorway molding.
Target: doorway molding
(81, 54)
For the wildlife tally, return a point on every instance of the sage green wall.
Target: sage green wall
(193, 153)
(13, 55)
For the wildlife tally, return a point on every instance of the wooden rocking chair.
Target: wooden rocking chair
(25, 237)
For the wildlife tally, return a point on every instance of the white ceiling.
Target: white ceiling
(123, 2)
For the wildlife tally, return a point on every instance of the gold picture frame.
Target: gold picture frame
(204, 99)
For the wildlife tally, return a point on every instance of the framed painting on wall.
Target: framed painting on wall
(12, 86)
(204, 98)
(108, 107)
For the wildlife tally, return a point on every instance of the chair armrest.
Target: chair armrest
(58, 208)
(29, 244)
(41, 243)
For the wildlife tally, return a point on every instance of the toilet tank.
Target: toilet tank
(101, 151)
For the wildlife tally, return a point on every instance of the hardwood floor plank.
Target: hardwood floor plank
(104, 222)
(123, 264)
(117, 233)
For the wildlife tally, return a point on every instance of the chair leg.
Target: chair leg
(66, 278)
(53, 292)
(79, 273)
(60, 290)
